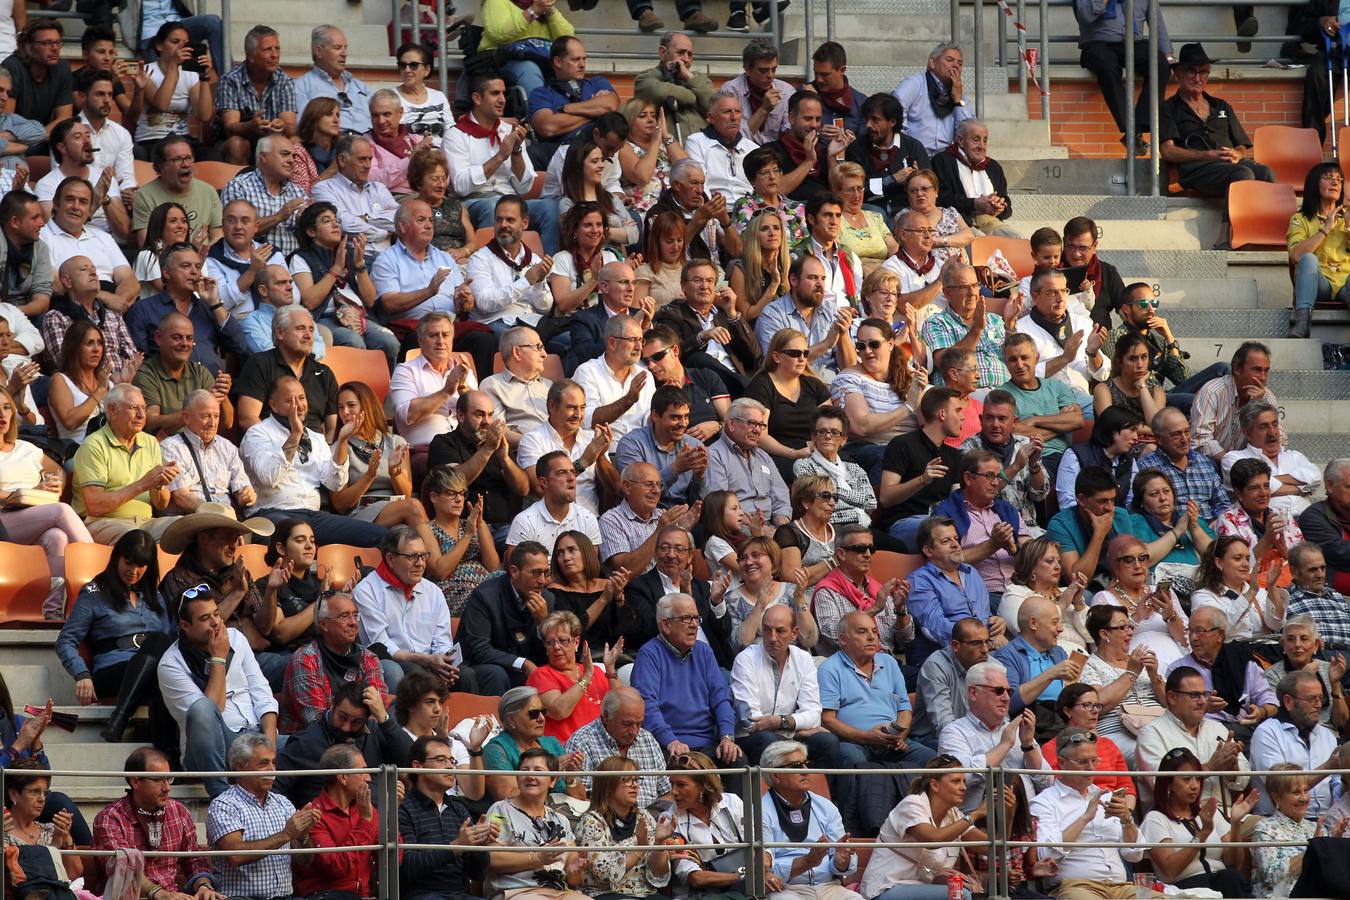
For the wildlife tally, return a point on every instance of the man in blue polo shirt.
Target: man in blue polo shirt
(865, 703)
(568, 102)
(945, 590)
(1038, 668)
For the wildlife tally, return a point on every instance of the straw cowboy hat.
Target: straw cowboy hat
(211, 515)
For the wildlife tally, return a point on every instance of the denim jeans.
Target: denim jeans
(906, 531)
(1183, 395)
(331, 529)
(525, 74)
(1310, 285)
(543, 218)
(206, 741)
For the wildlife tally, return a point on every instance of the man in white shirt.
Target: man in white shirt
(288, 463)
(1295, 735)
(238, 262)
(557, 510)
(520, 390)
(424, 389)
(985, 736)
(843, 269)
(932, 100)
(1292, 476)
(1186, 725)
(68, 233)
(721, 149)
(112, 143)
(212, 686)
(1073, 810)
(1070, 345)
(588, 448)
(776, 695)
(618, 390)
(364, 206)
(488, 160)
(916, 266)
(209, 467)
(73, 154)
(404, 618)
(510, 281)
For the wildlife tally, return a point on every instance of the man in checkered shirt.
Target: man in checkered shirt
(619, 732)
(251, 816)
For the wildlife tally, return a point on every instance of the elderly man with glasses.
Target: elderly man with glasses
(673, 572)
(849, 587)
(1241, 697)
(1186, 725)
(310, 682)
(736, 464)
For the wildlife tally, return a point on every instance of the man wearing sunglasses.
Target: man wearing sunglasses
(709, 398)
(1138, 310)
(1185, 724)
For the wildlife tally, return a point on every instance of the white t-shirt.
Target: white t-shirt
(20, 467)
(45, 190)
(154, 125)
(146, 270)
(1158, 827)
(432, 118)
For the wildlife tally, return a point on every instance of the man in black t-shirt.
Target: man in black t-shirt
(919, 469)
(43, 84)
(293, 354)
(478, 447)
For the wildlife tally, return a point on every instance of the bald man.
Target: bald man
(167, 378)
(478, 448)
(1038, 668)
(275, 290)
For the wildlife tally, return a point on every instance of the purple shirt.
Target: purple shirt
(997, 568)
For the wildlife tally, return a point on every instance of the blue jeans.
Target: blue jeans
(822, 748)
(1183, 395)
(207, 739)
(377, 337)
(200, 28)
(868, 456)
(906, 531)
(867, 798)
(331, 529)
(273, 667)
(1310, 285)
(543, 218)
(525, 74)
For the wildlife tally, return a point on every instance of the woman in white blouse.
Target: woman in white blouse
(426, 111)
(880, 393)
(173, 93)
(77, 390)
(930, 814)
(705, 814)
(1228, 584)
(1036, 572)
(1160, 622)
(1128, 682)
(22, 467)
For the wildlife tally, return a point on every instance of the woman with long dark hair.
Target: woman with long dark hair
(1114, 446)
(81, 383)
(663, 251)
(583, 179)
(127, 628)
(1228, 583)
(1319, 248)
(168, 225)
(291, 590)
(1131, 385)
(174, 93)
(315, 154)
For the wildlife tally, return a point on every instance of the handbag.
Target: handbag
(1136, 716)
(535, 50)
(733, 862)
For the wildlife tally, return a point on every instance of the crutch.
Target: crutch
(1345, 72)
(1328, 42)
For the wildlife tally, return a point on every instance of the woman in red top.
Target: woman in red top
(1080, 707)
(571, 691)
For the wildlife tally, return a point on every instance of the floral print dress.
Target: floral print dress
(470, 572)
(1272, 877)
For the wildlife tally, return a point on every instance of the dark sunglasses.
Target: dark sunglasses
(535, 713)
(794, 353)
(1089, 738)
(999, 690)
(796, 765)
(656, 357)
(409, 63)
(1132, 558)
(827, 495)
(346, 101)
(863, 346)
(859, 548)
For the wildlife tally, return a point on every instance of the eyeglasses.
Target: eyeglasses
(978, 642)
(794, 765)
(409, 64)
(1193, 695)
(193, 593)
(988, 476)
(828, 433)
(998, 690)
(670, 548)
(686, 620)
(635, 340)
(656, 357)
(793, 352)
(414, 557)
(1132, 558)
(753, 426)
(55, 43)
(628, 779)
(859, 548)
(928, 231)
(1090, 707)
(559, 642)
(178, 160)
(1319, 700)
(538, 348)
(536, 713)
(863, 346)
(831, 496)
(1088, 738)
(1196, 629)
(1128, 626)
(649, 485)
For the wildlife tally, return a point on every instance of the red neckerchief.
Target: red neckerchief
(916, 269)
(880, 156)
(516, 267)
(797, 151)
(756, 96)
(1093, 273)
(393, 580)
(474, 128)
(847, 269)
(840, 101)
(584, 263)
(861, 597)
(400, 144)
(965, 160)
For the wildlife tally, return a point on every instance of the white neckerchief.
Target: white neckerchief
(836, 470)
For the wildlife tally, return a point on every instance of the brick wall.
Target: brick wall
(1079, 119)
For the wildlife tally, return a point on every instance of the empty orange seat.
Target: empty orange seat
(217, 174)
(25, 582)
(1290, 152)
(460, 706)
(355, 364)
(339, 559)
(1259, 213)
(1015, 250)
(83, 563)
(254, 561)
(887, 564)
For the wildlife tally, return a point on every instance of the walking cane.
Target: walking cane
(1331, 94)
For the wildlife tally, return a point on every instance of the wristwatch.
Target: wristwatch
(216, 306)
(1027, 748)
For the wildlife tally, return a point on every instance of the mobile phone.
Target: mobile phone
(838, 123)
(1106, 796)
(1079, 657)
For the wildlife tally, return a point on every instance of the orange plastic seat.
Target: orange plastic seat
(25, 582)
(253, 555)
(37, 167)
(217, 174)
(145, 173)
(355, 364)
(460, 706)
(887, 564)
(1015, 250)
(339, 560)
(1290, 152)
(83, 563)
(1259, 213)
(166, 562)
(1342, 151)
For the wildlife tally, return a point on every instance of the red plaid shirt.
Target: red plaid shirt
(308, 694)
(117, 826)
(339, 871)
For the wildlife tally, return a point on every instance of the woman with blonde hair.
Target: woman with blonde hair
(760, 588)
(379, 481)
(463, 555)
(663, 250)
(315, 154)
(881, 300)
(760, 276)
(951, 233)
(614, 819)
(571, 689)
(646, 158)
(791, 392)
(862, 230)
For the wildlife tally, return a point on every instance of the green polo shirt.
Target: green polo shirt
(169, 393)
(103, 461)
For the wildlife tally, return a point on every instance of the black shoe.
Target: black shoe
(1247, 28)
(762, 10)
(1301, 327)
(736, 21)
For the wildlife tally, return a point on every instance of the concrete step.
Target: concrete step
(1217, 324)
(1316, 384)
(1289, 353)
(92, 720)
(1201, 293)
(1170, 235)
(90, 757)
(1316, 416)
(1207, 264)
(1320, 447)
(27, 683)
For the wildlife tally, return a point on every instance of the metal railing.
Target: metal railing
(997, 843)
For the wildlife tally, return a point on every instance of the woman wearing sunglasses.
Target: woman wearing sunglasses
(1126, 681)
(807, 542)
(1180, 817)
(706, 814)
(426, 111)
(880, 394)
(614, 819)
(521, 712)
(854, 498)
(1159, 620)
(1080, 706)
(758, 590)
(792, 393)
(1131, 385)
